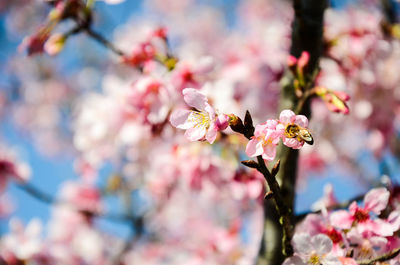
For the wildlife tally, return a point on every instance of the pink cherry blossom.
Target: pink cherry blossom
(202, 123)
(288, 120)
(374, 202)
(264, 141)
(82, 196)
(312, 250)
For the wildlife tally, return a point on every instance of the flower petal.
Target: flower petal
(301, 120)
(376, 200)
(322, 244)
(195, 133)
(287, 116)
(341, 219)
(295, 260)
(195, 99)
(302, 243)
(254, 148)
(179, 117)
(212, 133)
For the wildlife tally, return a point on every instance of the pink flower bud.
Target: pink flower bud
(222, 122)
(303, 60)
(54, 44)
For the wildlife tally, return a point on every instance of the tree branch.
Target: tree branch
(384, 257)
(49, 199)
(102, 40)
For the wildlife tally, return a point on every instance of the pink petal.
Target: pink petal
(195, 99)
(269, 152)
(254, 148)
(376, 200)
(195, 133)
(212, 133)
(292, 143)
(301, 120)
(394, 220)
(378, 227)
(341, 219)
(254, 189)
(179, 117)
(287, 116)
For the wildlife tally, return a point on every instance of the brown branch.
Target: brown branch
(247, 129)
(384, 257)
(283, 211)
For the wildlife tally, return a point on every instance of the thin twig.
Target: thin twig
(384, 257)
(102, 40)
(49, 199)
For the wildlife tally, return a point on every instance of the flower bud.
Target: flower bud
(55, 44)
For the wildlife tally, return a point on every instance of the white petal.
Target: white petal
(322, 244)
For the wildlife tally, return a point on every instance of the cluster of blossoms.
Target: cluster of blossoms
(126, 124)
(291, 128)
(203, 124)
(346, 236)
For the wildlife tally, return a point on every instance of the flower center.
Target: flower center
(201, 119)
(314, 259)
(361, 215)
(291, 130)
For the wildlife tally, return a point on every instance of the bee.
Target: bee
(298, 132)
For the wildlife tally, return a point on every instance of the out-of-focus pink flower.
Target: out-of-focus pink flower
(247, 185)
(140, 54)
(149, 98)
(22, 243)
(293, 129)
(188, 74)
(264, 141)
(202, 123)
(335, 100)
(312, 250)
(374, 202)
(84, 197)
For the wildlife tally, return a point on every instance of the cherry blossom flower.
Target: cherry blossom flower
(312, 250)
(375, 201)
(202, 123)
(294, 129)
(23, 242)
(264, 141)
(82, 196)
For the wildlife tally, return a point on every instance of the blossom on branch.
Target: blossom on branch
(312, 250)
(294, 129)
(290, 127)
(265, 140)
(202, 123)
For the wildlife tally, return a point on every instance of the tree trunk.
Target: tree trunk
(307, 32)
